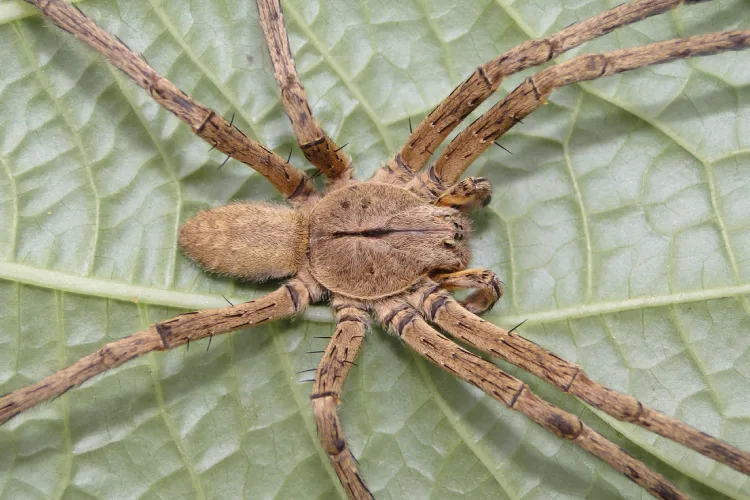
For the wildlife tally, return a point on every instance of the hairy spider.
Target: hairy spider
(391, 246)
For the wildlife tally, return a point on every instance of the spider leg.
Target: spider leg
(329, 382)
(318, 148)
(488, 285)
(467, 195)
(407, 323)
(203, 121)
(448, 314)
(486, 79)
(533, 92)
(288, 300)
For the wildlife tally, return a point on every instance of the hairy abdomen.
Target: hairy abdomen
(254, 241)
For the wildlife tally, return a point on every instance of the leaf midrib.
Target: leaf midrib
(97, 287)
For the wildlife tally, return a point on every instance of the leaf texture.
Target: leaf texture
(620, 225)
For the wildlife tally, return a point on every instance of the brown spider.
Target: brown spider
(391, 246)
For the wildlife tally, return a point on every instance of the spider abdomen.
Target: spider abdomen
(253, 241)
(371, 240)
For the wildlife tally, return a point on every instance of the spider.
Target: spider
(405, 239)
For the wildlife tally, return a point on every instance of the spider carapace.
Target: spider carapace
(390, 236)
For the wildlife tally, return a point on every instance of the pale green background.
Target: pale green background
(620, 225)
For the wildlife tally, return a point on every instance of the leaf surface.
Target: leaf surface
(619, 224)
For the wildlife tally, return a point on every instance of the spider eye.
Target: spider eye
(449, 243)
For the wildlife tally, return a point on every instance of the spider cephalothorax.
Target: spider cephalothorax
(392, 247)
(391, 238)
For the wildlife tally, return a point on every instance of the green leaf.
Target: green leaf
(619, 225)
